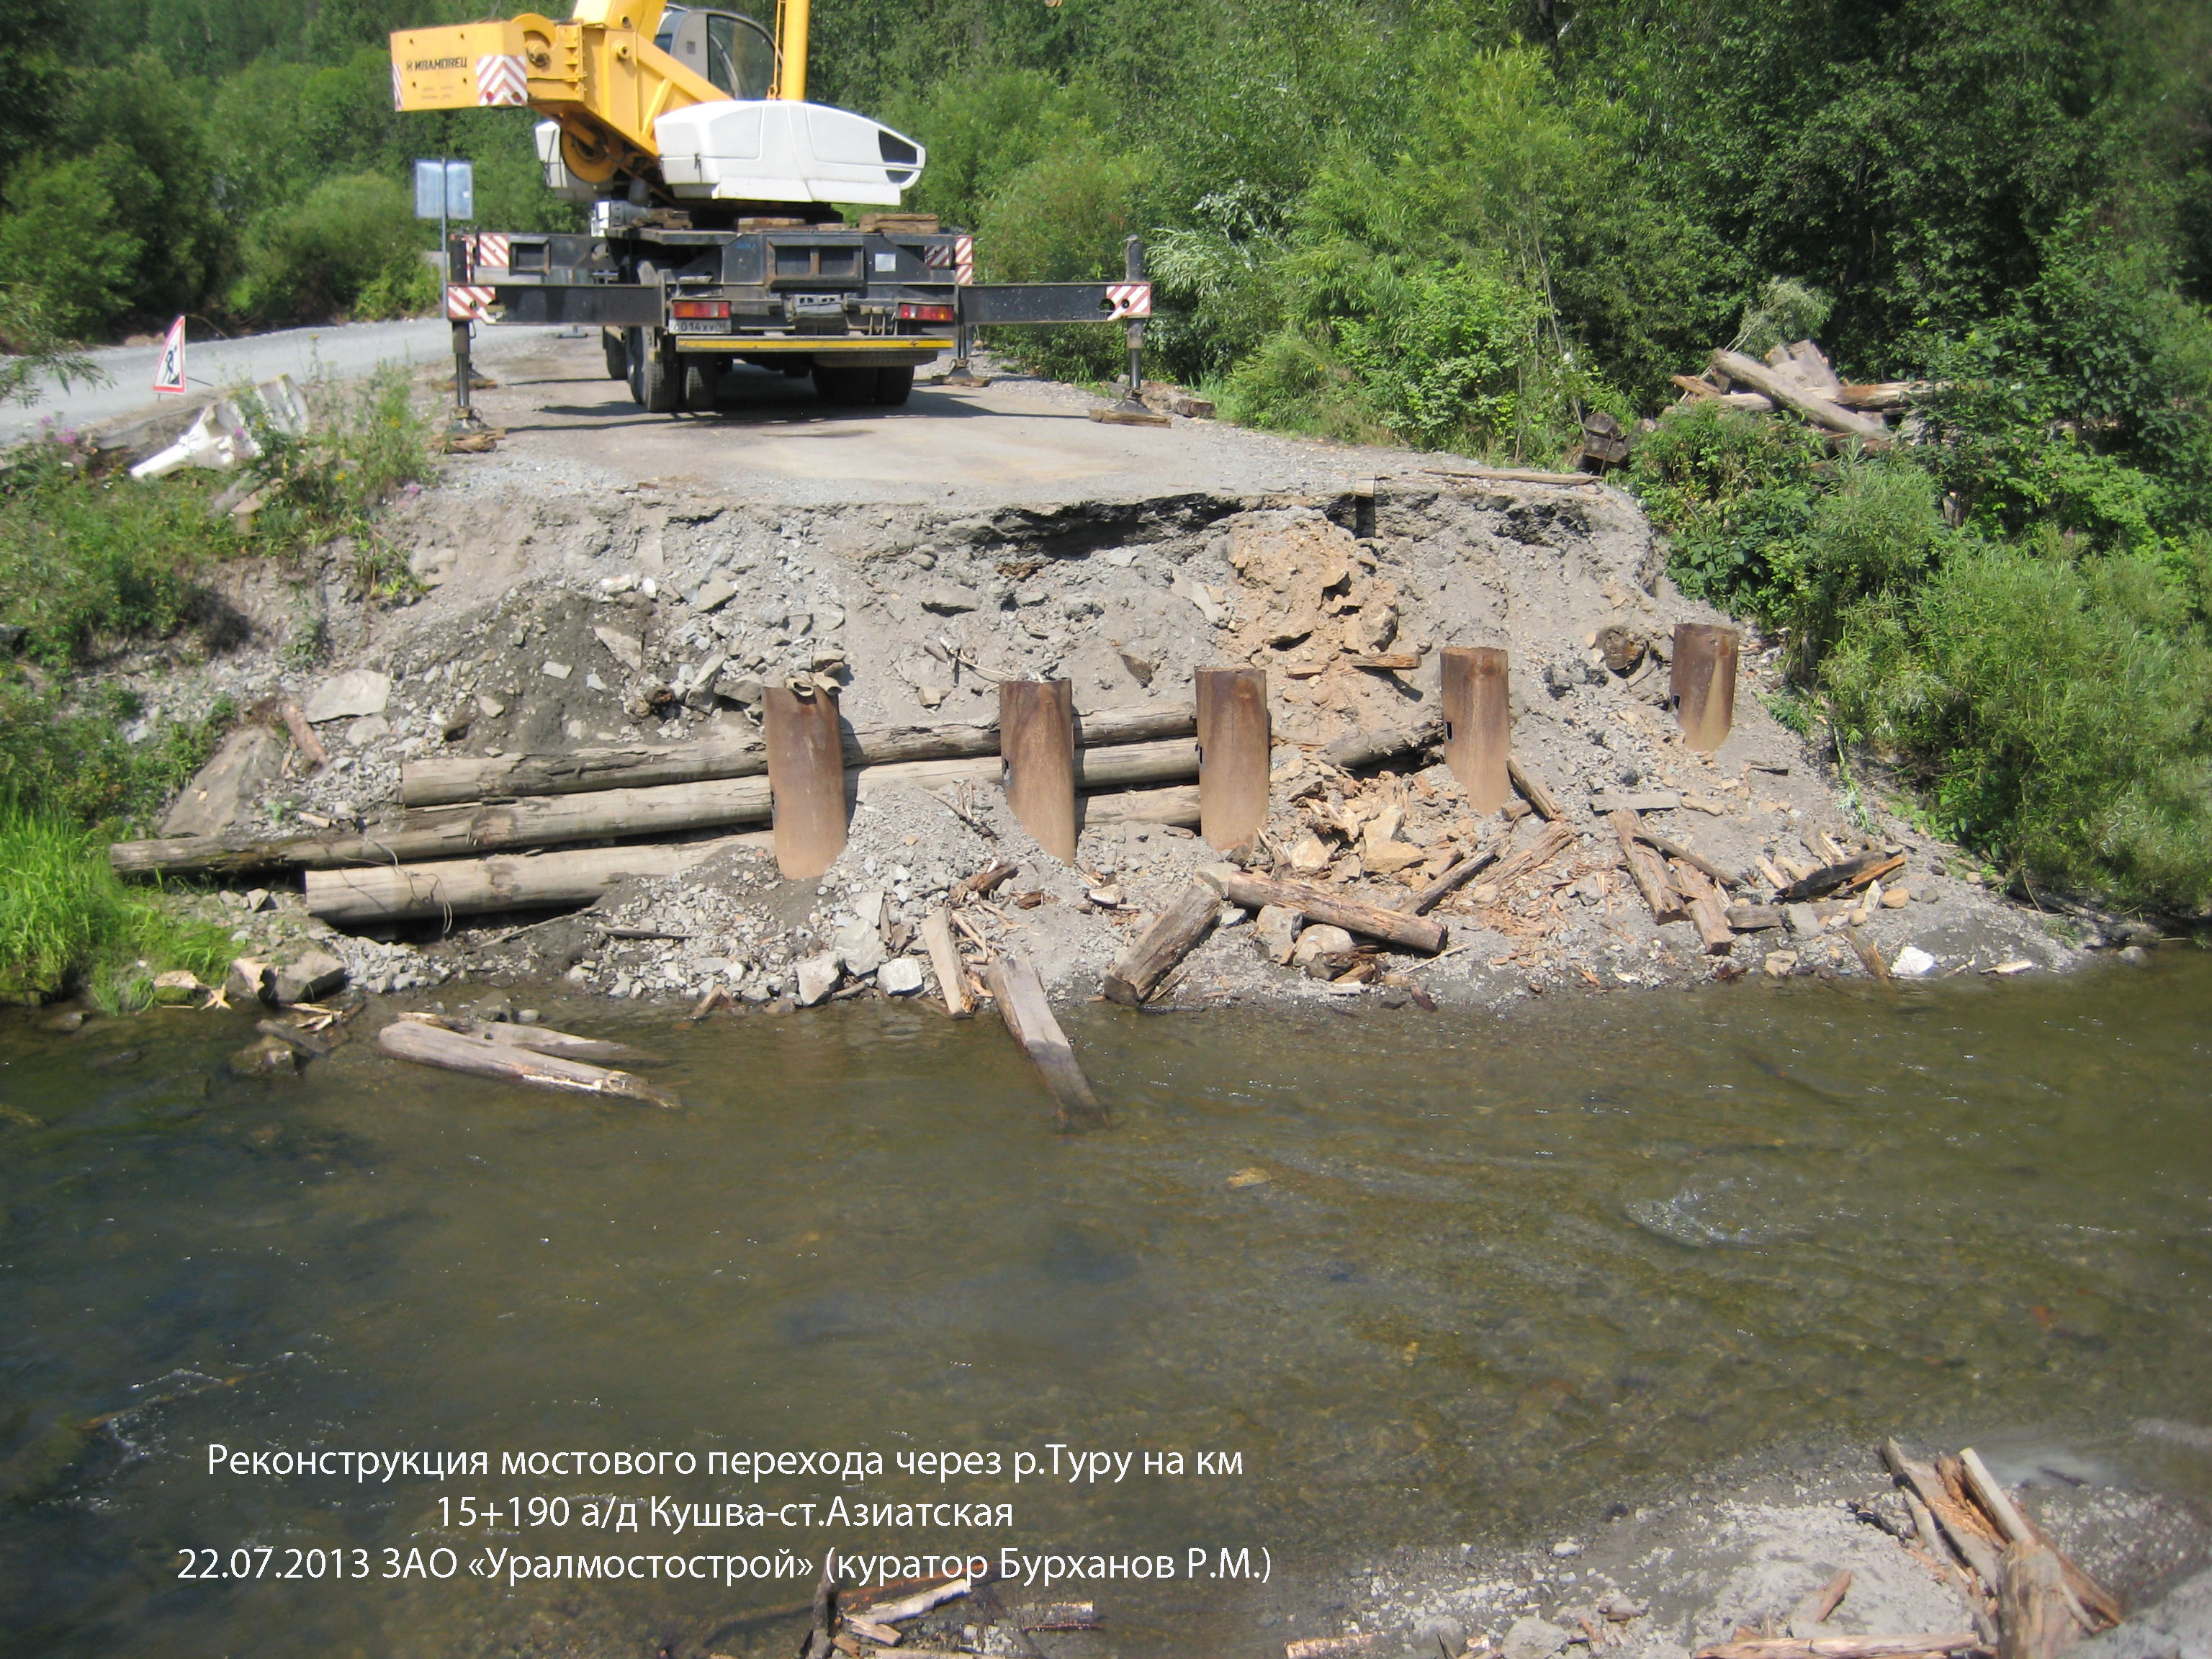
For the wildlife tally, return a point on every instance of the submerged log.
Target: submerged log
(1398, 927)
(1165, 944)
(944, 961)
(1020, 996)
(427, 1045)
(537, 1039)
(442, 780)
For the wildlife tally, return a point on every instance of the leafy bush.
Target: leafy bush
(2058, 714)
(316, 259)
(1062, 218)
(1727, 488)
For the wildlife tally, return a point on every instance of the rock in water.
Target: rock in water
(1913, 962)
(305, 976)
(267, 1058)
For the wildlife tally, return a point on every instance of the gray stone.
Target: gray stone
(303, 976)
(369, 728)
(744, 688)
(714, 593)
(949, 598)
(899, 977)
(356, 692)
(1278, 928)
(626, 648)
(223, 791)
(490, 707)
(1438, 1632)
(1650, 800)
(817, 978)
(1804, 920)
(860, 943)
(699, 693)
(1534, 1639)
(1320, 940)
(270, 1057)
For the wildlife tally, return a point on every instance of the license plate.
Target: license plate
(699, 326)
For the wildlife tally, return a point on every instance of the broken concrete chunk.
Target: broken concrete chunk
(1913, 962)
(626, 648)
(555, 671)
(1320, 940)
(1804, 920)
(714, 593)
(356, 692)
(951, 599)
(817, 978)
(899, 977)
(246, 978)
(1278, 927)
(303, 977)
(221, 794)
(369, 728)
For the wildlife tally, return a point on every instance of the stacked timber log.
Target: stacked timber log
(1797, 379)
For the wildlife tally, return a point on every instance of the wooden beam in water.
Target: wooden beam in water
(1020, 996)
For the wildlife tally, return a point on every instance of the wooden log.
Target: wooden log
(1645, 870)
(1841, 1647)
(1508, 475)
(1036, 726)
(511, 881)
(1477, 709)
(1532, 789)
(537, 1039)
(449, 832)
(1233, 757)
(1704, 683)
(2035, 1611)
(1830, 1597)
(1756, 918)
(1706, 912)
(1174, 936)
(1788, 391)
(1373, 747)
(293, 1037)
(913, 1606)
(427, 1045)
(944, 961)
(2016, 1529)
(1677, 851)
(1177, 806)
(1966, 1540)
(1552, 841)
(1880, 394)
(1399, 928)
(1696, 388)
(1454, 878)
(1848, 873)
(1020, 996)
(442, 780)
(807, 779)
(303, 734)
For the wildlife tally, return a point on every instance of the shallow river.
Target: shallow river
(1425, 1277)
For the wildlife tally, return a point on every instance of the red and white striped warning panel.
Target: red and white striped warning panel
(468, 302)
(963, 261)
(490, 251)
(938, 256)
(501, 79)
(1129, 300)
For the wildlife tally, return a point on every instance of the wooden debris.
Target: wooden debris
(303, 734)
(506, 881)
(537, 1039)
(1054, 1615)
(1706, 911)
(1532, 789)
(1841, 876)
(2093, 1598)
(1965, 1537)
(1370, 747)
(1505, 475)
(1682, 854)
(1428, 898)
(2036, 1613)
(431, 1045)
(944, 961)
(1756, 918)
(1830, 1598)
(983, 883)
(1177, 933)
(1841, 1647)
(1115, 415)
(1645, 870)
(1408, 932)
(1788, 391)
(913, 1606)
(1330, 1647)
(1020, 996)
(293, 1037)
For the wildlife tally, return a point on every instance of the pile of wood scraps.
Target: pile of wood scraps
(1797, 379)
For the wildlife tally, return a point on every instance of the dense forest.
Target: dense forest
(1451, 226)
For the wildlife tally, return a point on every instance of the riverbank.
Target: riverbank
(565, 606)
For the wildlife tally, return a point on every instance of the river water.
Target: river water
(1423, 1278)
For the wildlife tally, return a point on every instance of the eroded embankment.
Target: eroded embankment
(658, 617)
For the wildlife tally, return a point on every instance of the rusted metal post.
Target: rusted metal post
(1036, 743)
(807, 779)
(1232, 755)
(1704, 684)
(1479, 724)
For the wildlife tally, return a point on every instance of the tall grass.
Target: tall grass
(66, 919)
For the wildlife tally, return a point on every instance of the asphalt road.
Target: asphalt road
(340, 351)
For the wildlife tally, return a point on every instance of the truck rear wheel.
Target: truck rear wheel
(656, 377)
(893, 385)
(617, 350)
(845, 387)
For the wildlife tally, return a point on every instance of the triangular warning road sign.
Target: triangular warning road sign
(169, 372)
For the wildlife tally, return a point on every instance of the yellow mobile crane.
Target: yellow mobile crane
(714, 190)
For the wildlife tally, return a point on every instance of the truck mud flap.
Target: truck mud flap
(999, 304)
(607, 306)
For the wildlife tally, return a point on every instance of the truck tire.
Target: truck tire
(632, 359)
(893, 385)
(845, 387)
(617, 350)
(657, 377)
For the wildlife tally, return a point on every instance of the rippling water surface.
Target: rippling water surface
(1427, 1276)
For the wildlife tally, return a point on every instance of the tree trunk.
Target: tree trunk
(1407, 932)
(511, 882)
(427, 1045)
(1166, 942)
(1787, 392)
(1645, 870)
(1020, 996)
